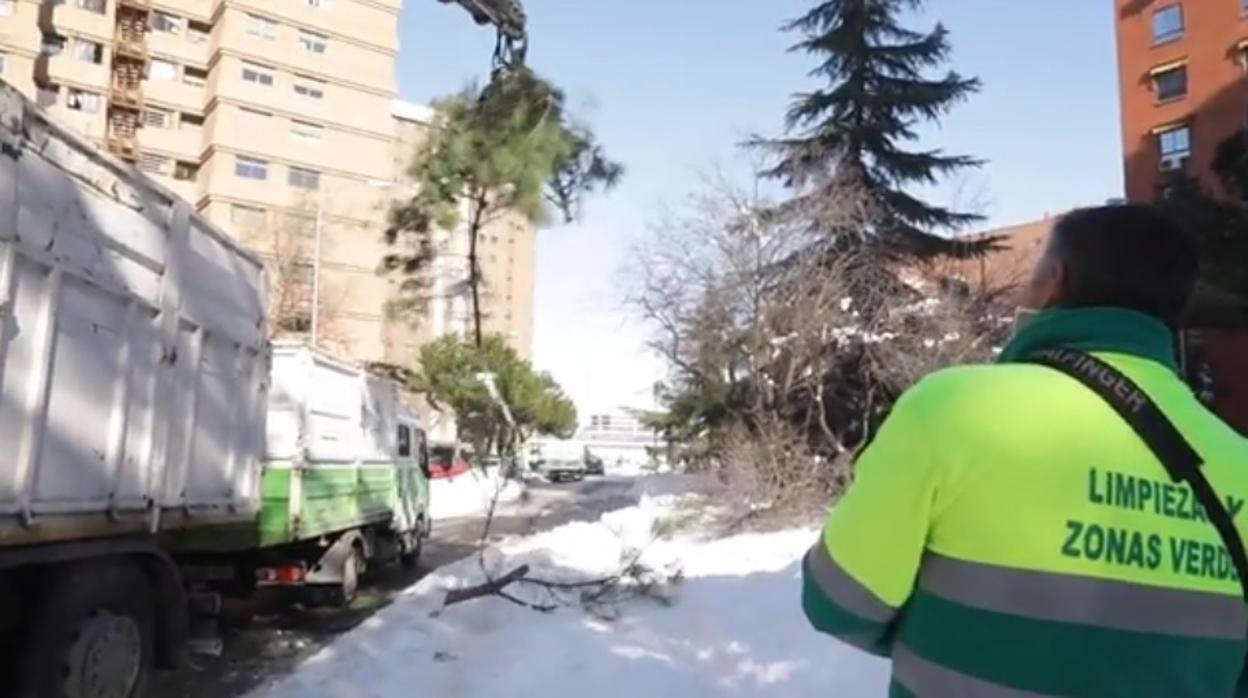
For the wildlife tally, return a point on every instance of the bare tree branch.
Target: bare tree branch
(786, 345)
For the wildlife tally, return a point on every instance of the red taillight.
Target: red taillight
(282, 575)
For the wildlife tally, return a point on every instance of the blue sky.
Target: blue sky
(673, 85)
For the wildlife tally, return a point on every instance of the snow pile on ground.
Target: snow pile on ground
(733, 627)
(470, 493)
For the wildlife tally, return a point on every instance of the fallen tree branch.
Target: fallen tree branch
(569, 586)
(541, 608)
(491, 587)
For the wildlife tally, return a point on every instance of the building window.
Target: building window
(185, 171)
(261, 26)
(160, 69)
(405, 441)
(1175, 145)
(157, 118)
(6, 8)
(78, 100)
(1170, 83)
(1168, 24)
(167, 23)
(190, 122)
(247, 217)
(96, 6)
(197, 32)
(153, 163)
(4, 62)
(257, 74)
(302, 178)
(88, 51)
(195, 77)
(305, 132)
(52, 44)
(313, 42)
(309, 87)
(251, 168)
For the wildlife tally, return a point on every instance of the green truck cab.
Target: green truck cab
(343, 483)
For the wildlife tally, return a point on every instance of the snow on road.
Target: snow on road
(733, 627)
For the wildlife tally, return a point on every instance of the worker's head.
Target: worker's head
(1128, 256)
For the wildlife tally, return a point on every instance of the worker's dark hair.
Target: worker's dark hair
(1126, 256)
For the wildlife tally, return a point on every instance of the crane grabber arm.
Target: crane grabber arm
(511, 23)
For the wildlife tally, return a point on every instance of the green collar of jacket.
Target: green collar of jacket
(1112, 330)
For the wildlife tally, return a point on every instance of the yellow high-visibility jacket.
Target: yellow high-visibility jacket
(1008, 534)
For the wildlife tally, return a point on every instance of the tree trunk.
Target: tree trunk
(474, 267)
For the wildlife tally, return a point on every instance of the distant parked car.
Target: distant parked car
(560, 469)
(443, 464)
(594, 465)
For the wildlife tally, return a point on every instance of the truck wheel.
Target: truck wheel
(93, 636)
(352, 568)
(410, 559)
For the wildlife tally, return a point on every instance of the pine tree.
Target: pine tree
(510, 148)
(849, 135)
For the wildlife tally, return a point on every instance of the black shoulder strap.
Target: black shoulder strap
(1173, 450)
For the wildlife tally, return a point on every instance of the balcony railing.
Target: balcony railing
(123, 147)
(126, 95)
(131, 44)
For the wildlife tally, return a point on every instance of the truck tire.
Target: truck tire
(352, 568)
(410, 558)
(93, 636)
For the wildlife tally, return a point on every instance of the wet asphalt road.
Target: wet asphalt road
(281, 635)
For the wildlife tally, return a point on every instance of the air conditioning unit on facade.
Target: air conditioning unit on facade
(1171, 163)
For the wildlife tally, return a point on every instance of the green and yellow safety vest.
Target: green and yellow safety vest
(1008, 534)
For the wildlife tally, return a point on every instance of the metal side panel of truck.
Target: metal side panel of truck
(340, 455)
(133, 390)
(133, 364)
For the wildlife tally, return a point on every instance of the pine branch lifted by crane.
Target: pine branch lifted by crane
(511, 23)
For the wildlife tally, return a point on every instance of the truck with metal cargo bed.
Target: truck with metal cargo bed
(159, 453)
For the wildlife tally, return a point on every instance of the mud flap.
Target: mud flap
(328, 571)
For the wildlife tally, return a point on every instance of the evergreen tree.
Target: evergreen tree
(1216, 215)
(509, 149)
(450, 377)
(849, 136)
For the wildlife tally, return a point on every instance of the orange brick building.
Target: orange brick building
(1183, 86)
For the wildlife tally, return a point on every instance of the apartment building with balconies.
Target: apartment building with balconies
(273, 117)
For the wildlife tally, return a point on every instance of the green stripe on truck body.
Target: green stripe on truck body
(332, 497)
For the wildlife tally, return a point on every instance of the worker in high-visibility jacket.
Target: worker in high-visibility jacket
(1008, 534)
